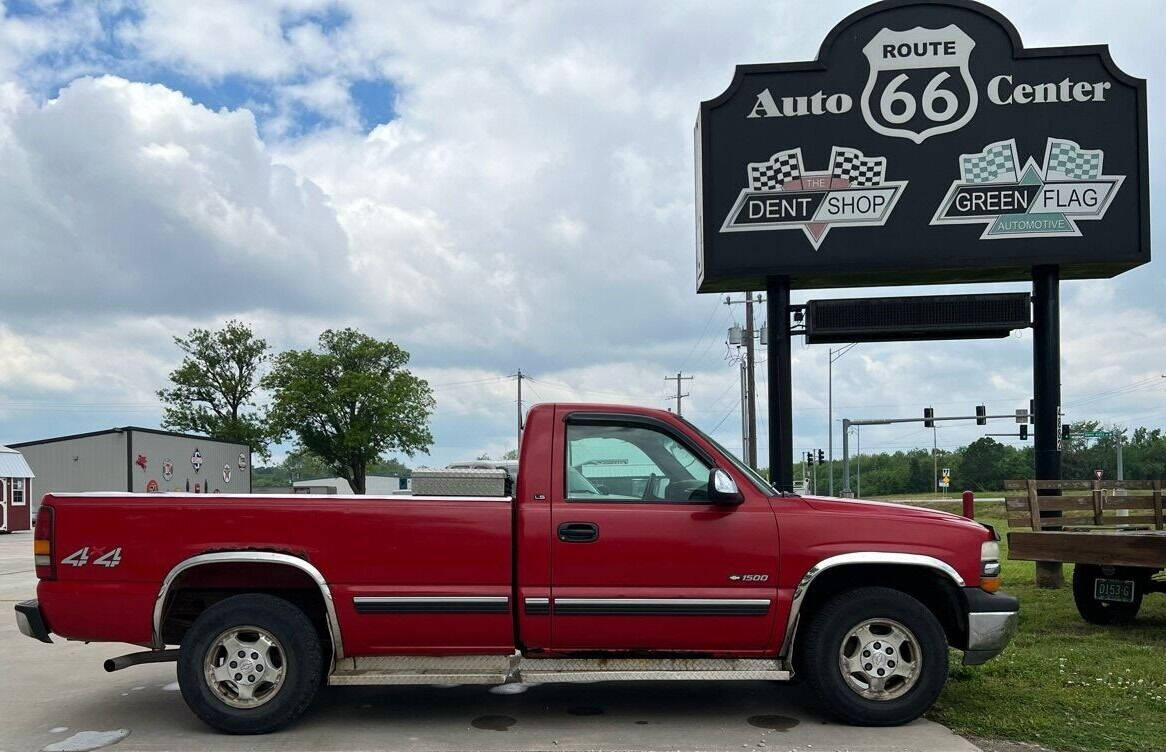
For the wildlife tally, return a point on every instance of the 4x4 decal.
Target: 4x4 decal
(80, 557)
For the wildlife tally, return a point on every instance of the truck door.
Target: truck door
(641, 560)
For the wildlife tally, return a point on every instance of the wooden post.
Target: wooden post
(1096, 502)
(1033, 505)
(1157, 505)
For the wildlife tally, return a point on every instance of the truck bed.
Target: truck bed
(364, 546)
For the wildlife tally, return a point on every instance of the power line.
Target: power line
(703, 332)
(558, 385)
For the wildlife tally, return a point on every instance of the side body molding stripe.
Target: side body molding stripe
(261, 557)
(856, 557)
(662, 606)
(367, 604)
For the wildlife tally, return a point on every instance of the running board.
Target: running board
(499, 669)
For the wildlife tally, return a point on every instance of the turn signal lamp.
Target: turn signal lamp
(990, 566)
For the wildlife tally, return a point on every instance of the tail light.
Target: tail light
(42, 545)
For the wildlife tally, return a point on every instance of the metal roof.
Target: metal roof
(125, 429)
(12, 464)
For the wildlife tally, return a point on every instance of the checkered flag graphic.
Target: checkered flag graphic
(995, 164)
(1065, 160)
(781, 168)
(855, 168)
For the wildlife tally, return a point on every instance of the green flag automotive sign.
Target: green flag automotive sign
(924, 145)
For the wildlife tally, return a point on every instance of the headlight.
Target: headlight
(990, 566)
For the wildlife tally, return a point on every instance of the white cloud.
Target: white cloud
(530, 205)
(128, 197)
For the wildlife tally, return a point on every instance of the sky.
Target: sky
(494, 186)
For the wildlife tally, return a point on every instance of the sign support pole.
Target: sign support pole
(1046, 388)
(781, 420)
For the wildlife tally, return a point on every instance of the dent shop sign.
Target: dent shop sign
(925, 145)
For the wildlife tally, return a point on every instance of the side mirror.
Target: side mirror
(723, 489)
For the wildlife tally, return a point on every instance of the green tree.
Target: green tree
(350, 402)
(300, 464)
(986, 464)
(391, 466)
(213, 390)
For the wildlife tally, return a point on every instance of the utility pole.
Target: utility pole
(748, 380)
(751, 446)
(830, 407)
(679, 379)
(934, 461)
(858, 452)
(519, 377)
(745, 401)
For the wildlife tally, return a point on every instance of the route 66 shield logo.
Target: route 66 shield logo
(919, 84)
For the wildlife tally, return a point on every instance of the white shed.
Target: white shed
(15, 488)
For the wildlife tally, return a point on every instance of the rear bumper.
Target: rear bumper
(992, 621)
(30, 622)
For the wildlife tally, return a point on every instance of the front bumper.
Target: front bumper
(30, 622)
(992, 621)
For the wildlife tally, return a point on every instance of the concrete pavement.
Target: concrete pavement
(53, 692)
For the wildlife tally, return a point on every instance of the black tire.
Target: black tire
(1106, 612)
(826, 636)
(301, 652)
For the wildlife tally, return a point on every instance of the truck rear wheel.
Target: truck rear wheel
(250, 664)
(1097, 611)
(875, 657)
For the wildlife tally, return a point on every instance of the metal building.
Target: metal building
(138, 460)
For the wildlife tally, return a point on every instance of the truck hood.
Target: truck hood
(860, 508)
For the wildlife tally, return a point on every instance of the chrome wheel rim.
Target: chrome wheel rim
(880, 659)
(245, 667)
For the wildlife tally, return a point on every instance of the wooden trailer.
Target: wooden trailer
(1112, 532)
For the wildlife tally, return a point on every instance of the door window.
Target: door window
(632, 463)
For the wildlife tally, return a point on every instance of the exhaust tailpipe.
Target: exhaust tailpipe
(146, 656)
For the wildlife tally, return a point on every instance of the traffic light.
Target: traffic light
(1066, 431)
(928, 414)
(981, 415)
(1032, 411)
(821, 456)
(1024, 432)
(809, 458)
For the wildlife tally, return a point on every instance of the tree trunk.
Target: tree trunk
(358, 478)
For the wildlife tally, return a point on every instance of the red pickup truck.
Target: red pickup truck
(634, 547)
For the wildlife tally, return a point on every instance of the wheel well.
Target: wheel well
(932, 588)
(200, 587)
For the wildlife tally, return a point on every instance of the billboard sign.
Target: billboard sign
(925, 145)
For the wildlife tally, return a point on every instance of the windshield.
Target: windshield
(757, 478)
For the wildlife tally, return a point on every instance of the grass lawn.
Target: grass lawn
(1064, 683)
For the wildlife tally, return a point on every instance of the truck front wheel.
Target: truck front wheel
(875, 657)
(250, 664)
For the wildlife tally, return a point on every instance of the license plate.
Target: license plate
(1119, 591)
